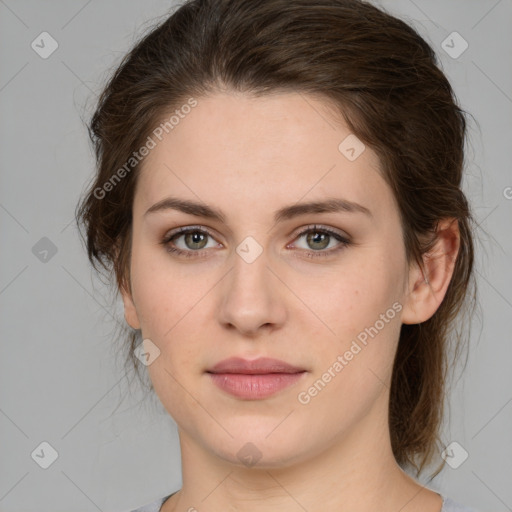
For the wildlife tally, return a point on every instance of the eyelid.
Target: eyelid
(297, 232)
(320, 227)
(343, 239)
(186, 229)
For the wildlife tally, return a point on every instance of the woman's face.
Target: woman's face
(250, 285)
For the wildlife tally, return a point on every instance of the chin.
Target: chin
(254, 451)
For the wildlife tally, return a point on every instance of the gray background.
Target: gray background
(60, 378)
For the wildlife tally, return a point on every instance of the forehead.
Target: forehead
(244, 149)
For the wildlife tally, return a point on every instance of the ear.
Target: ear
(426, 289)
(130, 312)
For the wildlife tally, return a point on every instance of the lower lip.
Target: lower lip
(254, 387)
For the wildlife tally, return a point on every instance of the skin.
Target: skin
(249, 157)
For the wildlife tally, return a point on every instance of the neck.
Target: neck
(356, 472)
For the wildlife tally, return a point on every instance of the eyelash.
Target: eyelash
(343, 242)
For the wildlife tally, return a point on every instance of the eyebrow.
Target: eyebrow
(331, 205)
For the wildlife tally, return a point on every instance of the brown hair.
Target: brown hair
(380, 75)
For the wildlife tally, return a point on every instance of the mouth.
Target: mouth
(256, 379)
(260, 366)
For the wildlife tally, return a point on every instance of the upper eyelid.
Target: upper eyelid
(319, 227)
(295, 233)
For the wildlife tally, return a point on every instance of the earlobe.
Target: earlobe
(427, 286)
(130, 312)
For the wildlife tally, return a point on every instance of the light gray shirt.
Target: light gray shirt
(448, 505)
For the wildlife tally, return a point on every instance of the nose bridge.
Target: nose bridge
(250, 296)
(250, 272)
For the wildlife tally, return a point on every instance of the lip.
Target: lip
(256, 379)
(260, 366)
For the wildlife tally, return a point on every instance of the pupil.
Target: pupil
(196, 237)
(317, 239)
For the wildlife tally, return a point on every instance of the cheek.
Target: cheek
(354, 368)
(161, 297)
(362, 308)
(175, 310)
(352, 297)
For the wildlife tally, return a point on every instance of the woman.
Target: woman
(279, 199)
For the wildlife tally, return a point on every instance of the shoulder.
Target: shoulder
(452, 506)
(153, 506)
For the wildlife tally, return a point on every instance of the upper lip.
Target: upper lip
(252, 367)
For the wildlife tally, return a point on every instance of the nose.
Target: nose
(252, 297)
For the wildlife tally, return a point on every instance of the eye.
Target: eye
(319, 238)
(195, 241)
